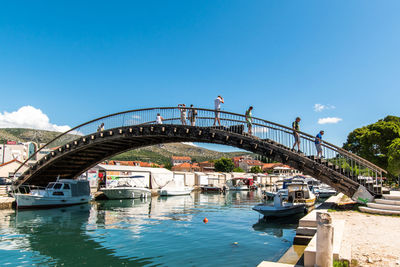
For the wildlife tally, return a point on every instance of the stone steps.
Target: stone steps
(387, 201)
(3, 190)
(392, 197)
(379, 211)
(383, 206)
(389, 205)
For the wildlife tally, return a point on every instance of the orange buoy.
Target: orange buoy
(205, 220)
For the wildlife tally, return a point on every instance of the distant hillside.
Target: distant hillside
(158, 153)
(162, 153)
(26, 135)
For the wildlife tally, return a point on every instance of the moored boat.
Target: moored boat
(63, 192)
(280, 208)
(126, 188)
(178, 191)
(238, 184)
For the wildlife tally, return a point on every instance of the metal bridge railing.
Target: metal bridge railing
(352, 164)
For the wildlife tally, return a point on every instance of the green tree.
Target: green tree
(238, 169)
(224, 165)
(168, 165)
(256, 169)
(379, 143)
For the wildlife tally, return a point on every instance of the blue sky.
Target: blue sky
(78, 60)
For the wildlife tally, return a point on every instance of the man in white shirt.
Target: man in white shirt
(217, 105)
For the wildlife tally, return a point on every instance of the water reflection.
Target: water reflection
(276, 226)
(57, 236)
(166, 231)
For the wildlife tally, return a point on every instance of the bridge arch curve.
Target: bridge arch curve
(81, 148)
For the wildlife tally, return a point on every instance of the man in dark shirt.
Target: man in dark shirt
(296, 129)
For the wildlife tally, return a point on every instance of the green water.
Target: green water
(157, 232)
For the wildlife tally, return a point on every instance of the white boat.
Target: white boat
(63, 192)
(299, 192)
(178, 191)
(238, 184)
(280, 208)
(326, 191)
(125, 187)
(272, 194)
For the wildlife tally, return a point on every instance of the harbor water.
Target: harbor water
(162, 231)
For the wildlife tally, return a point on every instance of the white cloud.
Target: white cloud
(29, 117)
(329, 120)
(321, 107)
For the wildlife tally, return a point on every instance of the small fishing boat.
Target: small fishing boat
(126, 187)
(63, 192)
(280, 208)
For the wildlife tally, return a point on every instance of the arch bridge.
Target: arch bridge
(79, 149)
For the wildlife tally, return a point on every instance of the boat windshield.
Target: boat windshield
(57, 186)
(50, 185)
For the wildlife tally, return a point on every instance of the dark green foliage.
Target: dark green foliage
(379, 143)
(255, 169)
(238, 169)
(224, 165)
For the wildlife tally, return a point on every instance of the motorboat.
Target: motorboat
(126, 187)
(280, 208)
(272, 194)
(238, 184)
(63, 192)
(176, 191)
(299, 192)
(325, 191)
(175, 188)
(284, 188)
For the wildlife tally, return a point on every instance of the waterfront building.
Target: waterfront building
(7, 169)
(186, 167)
(175, 160)
(247, 164)
(206, 166)
(237, 160)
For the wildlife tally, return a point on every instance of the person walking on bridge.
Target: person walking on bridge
(159, 119)
(217, 105)
(182, 108)
(318, 144)
(296, 129)
(192, 115)
(249, 119)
